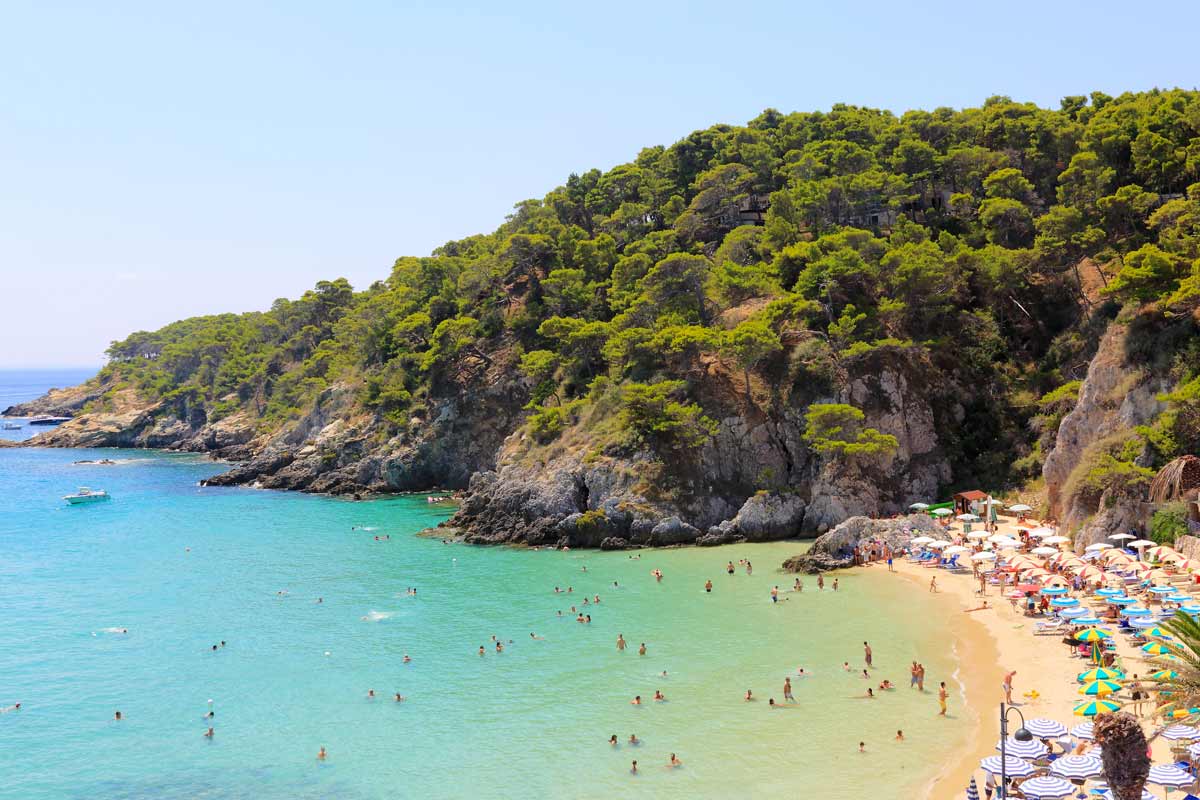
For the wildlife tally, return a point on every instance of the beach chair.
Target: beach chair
(1047, 627)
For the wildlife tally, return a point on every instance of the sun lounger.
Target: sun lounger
(1054, 626)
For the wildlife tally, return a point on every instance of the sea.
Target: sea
(307, 599)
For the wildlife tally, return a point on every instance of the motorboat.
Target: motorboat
(12, 426)
(86, 495)
(48, 420)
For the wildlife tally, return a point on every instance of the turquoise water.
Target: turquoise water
(183, 567)
(22, 385)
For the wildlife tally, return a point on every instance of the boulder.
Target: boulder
(835, 549)
(766, 516)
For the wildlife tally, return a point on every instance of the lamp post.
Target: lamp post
(1021, 735)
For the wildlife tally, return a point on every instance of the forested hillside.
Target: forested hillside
(745, 284)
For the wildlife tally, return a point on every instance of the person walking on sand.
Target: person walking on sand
(933, 585)
(920, 677)
(913, 672)
(1007, 686)
(867, 654)
(942, 696)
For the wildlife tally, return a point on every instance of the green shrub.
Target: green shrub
(1169, 523)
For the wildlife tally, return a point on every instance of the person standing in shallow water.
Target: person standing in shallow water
(942, 697)
(867, 654)
(820, 581)
(620, 642)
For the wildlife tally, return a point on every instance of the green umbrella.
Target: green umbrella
(1100, 688)
(1101, 674)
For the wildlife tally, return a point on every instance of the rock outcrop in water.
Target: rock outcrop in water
(835, 549)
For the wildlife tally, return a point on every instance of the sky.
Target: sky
(163, 160)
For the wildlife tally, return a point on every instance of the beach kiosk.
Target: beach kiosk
(970, 502)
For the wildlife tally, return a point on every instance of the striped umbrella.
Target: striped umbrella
(1146, 795)
(1168, 775)
(1046, 786)
(1190, 608)
(1083, 730)
(1143, 623)
(1100, 688)
(1063, 602)
(1135, 611)
(1181, 732)
(1194, 750)
(1099, 674)
(1072, 613)
(1013, 766)
(1156, 649)
(1158, 633)
(1091, 708)
(1122, 600)
(1030, 749)
(1161, 590)
(1054, 591)
(1157, 553)
(1044, 728)
(1111, 592)
(1178, 598)
(1164, 675)
(1077, 767)
(972, 790)
(1093, 635)
(1088, 620)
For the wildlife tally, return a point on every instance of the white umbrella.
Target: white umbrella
(977, 535)
(984, 556)
(941, 512)
(1146, 795)
(919, 506)
(1077, 767)
(958, 548)
(1020, 508)
(1044, 728)
(1083, 730)
(1098, 546)
(1122, 536)
(1181, 732)
(922, 540)
(1140, 543)
(939, 544)
(1042, 532)
(1013, 766)
(1055, 540)
(1046, 786)
(1044, 551)
(1005, 542)
(1030, 749)
(969, 518)
(1169, 775)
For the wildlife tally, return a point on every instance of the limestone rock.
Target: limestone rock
(834, 549)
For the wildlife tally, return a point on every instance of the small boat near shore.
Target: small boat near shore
(12, 426)
(48, 420)
(86, 495)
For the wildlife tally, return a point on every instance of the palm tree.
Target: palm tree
(1126, 763)
(1182, 691)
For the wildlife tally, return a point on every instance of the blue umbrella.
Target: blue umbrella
(1063, 602)
(1136, 612)
(1030, 749)
(1072, 613)
(1046, 786)
(1122, 600)
(1190, 608)
(1077, 767)
(972, 790)
(1181, 732)
(1044, 728)
(1013, 766)
(1143, 623)
(1083, 730)
(1088, 620)
(1111, 592)
(1178, 598)
(1168, 775)
(1054, 591)
(1162, 590)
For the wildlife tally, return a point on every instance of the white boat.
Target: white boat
(86, 495)
(12, 426)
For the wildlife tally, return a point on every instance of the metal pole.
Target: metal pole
(1003, 754)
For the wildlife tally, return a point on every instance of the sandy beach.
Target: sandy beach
(988, 643)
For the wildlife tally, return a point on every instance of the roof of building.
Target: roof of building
(971, 494)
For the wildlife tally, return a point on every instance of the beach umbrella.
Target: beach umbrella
(1092, 635)
(1064, 602)
(977, 535)
(1146, 795)
(1162, 590)
(1091, 708)
(922, 540)
(1194, 750)
(1158, 633)
(1088, 620)
(1164, 675)
(1098, 546)
(1135, 611)
(1083, 730)
(1122, 536)
(1077, 767)
(1030, 749)
(956, 549)
(1044, 728)
(1111, 592)
(1046, 786)
(1168, 775)
(1122, 600)
(1180, 732)
(919, 506)
(1101, 674)
(1072, 613)
(1055, 540)
(984, 556)
(969, 518)
(1156, 649)
(1044, 551)
(1140, 543)
(1178, 598)
(1020, 508)
(1053, 591)
(1156, 553)
(941, 512)
(1100, 688)
(1054, 580)
(938, 544)
(972, 790)
(1190, 608)
(1042, 531)
(1013, 766)
(1143, 623)
(1090, 573)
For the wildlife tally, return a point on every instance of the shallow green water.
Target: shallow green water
(531, 722)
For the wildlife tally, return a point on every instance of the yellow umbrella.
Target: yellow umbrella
(1091, 708)
(1100, 688)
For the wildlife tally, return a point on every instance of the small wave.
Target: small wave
(376, 616)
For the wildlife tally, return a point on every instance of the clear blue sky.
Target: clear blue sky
(161, 160)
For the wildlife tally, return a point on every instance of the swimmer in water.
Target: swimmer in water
(209, 733)
(407, 658)
(499, 647)
(708, 586)
(210, 715)
(771, 702)
(674, 762)
(370, 694)
(14, 707)
(642, 649)
(321, 754)
(399, 697)
(899, 736)
(749, 695)
(320, 600)
(633, 740)
(787, 690)
(846, 666)
(870, 693)
(117, 717)
(636, 701)
(862, 747)
(613, 740)
(633, 769)
(621, 642)
(659, 696)
(800, 673)
(481, 650)
(533, 635)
